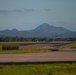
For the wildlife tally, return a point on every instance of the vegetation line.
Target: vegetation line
(52, 62)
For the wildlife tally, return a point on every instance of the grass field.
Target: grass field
(24, 51)
(68, 46)
(21, 51)
(5, 43)
(8, 44)
(29, 50)
(38, 69)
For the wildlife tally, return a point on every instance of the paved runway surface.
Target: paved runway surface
(63, 56)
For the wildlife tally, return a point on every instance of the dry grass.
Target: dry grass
(38, 69)
(68, 46)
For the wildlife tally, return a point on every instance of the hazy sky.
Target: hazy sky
(28, 14)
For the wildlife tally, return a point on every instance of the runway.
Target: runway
(49, 57)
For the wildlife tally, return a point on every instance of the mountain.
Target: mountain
(69, 34)
(52, 29)
(43, 30)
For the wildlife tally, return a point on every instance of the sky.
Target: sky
(28, 14)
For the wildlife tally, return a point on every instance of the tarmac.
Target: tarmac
(49, 57)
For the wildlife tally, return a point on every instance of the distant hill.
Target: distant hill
(43, 30)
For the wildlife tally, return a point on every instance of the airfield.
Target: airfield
(61, 56)
(53, 57)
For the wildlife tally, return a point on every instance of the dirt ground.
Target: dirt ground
(35, 46)
(39, 57)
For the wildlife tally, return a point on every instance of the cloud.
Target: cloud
(9, 11)
(46, 9)
(29, 10)
(16, 10)
(4, 11)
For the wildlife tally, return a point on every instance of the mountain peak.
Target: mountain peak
(14, 29)
(45, 24)
(42, 26)
(6, 30)
(46, 28)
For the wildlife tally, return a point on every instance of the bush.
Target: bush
(54, 49)
(0, 47)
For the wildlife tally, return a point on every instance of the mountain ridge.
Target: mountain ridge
(43, 30)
